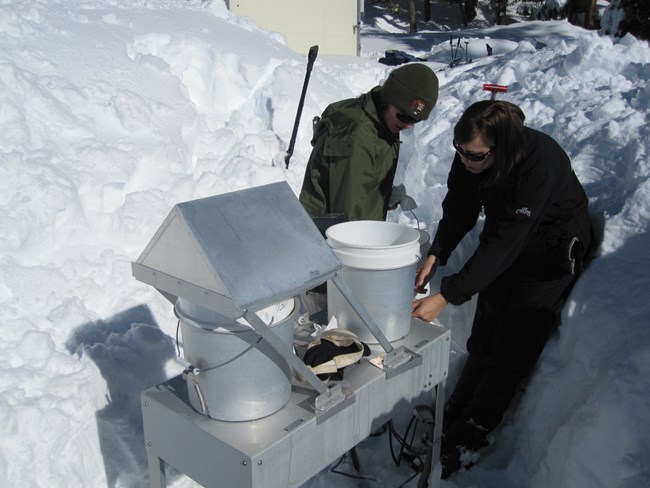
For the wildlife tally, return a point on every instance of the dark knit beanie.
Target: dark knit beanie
(413, 89)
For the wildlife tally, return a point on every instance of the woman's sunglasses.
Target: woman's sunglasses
(473, 157)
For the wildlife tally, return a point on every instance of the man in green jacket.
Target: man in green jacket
(356, 145)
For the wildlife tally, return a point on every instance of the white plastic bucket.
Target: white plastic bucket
(379, 263)
(237, 379)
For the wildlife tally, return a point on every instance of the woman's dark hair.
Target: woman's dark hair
(502, 126)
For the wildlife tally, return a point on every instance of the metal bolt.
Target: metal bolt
(146, 404)
(149, 444)
(259, 463)
(244, 463)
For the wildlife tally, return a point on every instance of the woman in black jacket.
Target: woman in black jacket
(536, 239)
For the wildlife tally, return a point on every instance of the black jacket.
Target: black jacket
(530, 219)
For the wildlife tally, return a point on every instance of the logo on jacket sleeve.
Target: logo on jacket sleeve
(523, 211)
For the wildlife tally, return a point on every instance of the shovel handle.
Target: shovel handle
(495, 89)
(311, 57)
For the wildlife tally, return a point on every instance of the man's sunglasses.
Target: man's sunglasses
(405, 119)
(475, 158)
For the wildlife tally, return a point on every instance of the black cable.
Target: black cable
(410, 478)
(390, 443)
(406, 452)
(403, 441)
(349, 475)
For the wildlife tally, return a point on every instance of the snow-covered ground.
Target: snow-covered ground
(111, 112)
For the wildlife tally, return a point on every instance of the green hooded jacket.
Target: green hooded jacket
(353, 161)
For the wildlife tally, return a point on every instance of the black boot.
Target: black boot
(459, 441)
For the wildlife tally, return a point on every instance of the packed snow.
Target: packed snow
(112, 112)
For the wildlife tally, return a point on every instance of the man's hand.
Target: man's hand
(396, 194)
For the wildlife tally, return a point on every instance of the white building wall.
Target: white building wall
(333, 25)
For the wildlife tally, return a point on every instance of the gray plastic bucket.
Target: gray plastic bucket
(237, 380)
(379, 263)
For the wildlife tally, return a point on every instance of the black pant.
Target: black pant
(514, 317)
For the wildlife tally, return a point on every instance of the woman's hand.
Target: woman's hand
(425, 274)
(428, 308)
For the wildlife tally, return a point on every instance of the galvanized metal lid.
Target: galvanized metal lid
(237, 251)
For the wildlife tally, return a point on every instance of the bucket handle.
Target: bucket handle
(192, 374)
(220, 365)
(196, 370)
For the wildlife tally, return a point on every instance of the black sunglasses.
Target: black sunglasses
(405, 119)
(475, 158)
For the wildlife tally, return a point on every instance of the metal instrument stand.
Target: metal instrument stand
(289, 447)
(235, 254)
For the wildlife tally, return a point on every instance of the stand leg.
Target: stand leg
(157, 477)
(436, 468)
